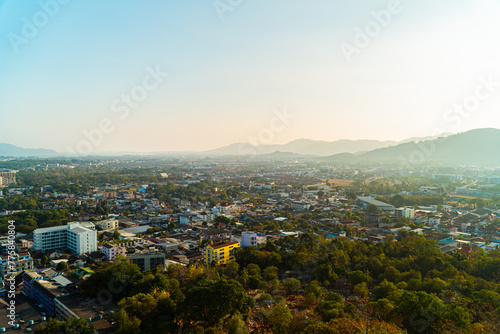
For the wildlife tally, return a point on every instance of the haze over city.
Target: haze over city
(231, 67)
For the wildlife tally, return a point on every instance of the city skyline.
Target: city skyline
(193, 77)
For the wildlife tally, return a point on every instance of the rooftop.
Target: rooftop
(226, 245)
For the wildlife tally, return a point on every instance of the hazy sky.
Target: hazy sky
(71, 66)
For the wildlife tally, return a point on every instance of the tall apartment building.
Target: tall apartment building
(220, 254)
(78, 238)
(7, 178)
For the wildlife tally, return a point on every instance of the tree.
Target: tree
(324, 272)
(62, 266)
(253, 270)
(232, 268)
(318, 327)
(116, 235)
(331, 307)
(291, 284)
(357, 277)
(280, 318)
(126, 324)
(397, 200)
(236, 325)
(372, 208)
(71, 326)
(361, 290)
(212, 301)
(314, 292)
(270, 273)
(118, 278)
(384, 289)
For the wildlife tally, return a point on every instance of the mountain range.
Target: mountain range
(8, 150)
(477, 147)
(312, 147)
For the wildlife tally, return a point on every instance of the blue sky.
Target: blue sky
(226, 76)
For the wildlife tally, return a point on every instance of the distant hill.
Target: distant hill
(8, 150)
(303, 146)
(309, 147)
(477, 147)
(341, 157)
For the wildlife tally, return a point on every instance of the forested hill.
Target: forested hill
(341, 286)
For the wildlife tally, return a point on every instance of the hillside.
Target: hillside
(8, 150)
(478, 147)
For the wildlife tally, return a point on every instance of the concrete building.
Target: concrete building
(111, 251)
(147, 261)
(41, 291)
(364, 202)
(20, 263)
(297, 205)
(221, 254)
(78, 238)
(252, 239)
(248, 239)
(7, 178)
(108, 224)
(77, 305)
(404, 213)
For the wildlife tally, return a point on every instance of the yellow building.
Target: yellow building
(221, 254)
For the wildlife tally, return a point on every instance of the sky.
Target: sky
(164, 75)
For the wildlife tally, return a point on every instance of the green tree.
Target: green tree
(126, 324)
(236, 325)
(280, 318)
(213, 301)
(314, 292)
(397, 200)
(372, 208)
(384, 289)
(361, 290)
(62, 266)
(291, 285)
(71, 325)
(270, 273)
(232, 269)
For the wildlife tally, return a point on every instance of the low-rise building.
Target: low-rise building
(19, 263)
(42, 292)
(364, 202)
(108, 224)
(111, 251)
(404, 213)
(147, 261)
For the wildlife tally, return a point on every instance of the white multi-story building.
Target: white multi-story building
(78, 238)
(248, 239)
(252, 239)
